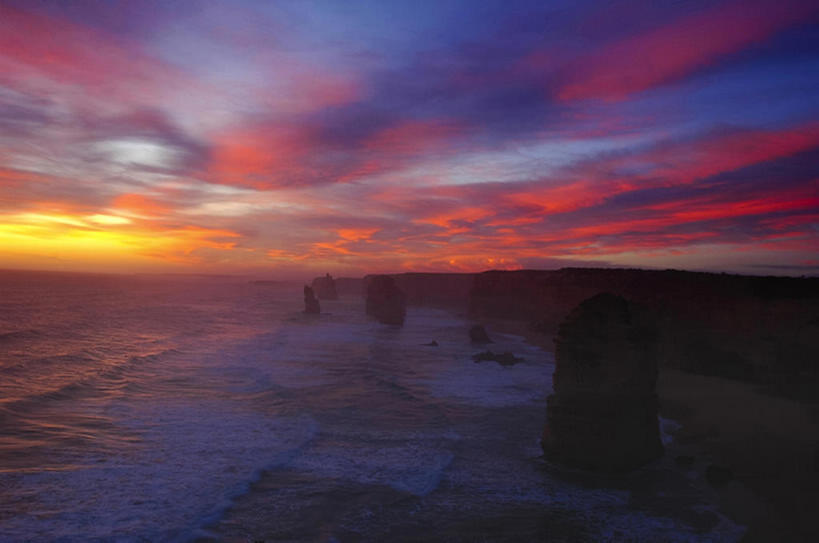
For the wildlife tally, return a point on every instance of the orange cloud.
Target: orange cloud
(139, 205)
(356, 234)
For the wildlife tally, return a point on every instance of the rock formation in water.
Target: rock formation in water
(603, 412)
(385, 301)
(504, 359)
(311, 304)
(325, 287)
(477, 334)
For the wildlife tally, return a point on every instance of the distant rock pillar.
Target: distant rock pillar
(603, 412)
(311, 304)
(325, 287)
(385, 301)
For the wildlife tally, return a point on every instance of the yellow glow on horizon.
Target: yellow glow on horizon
(102, 240)
(108, 219)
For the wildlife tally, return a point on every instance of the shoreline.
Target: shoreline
(733, 424)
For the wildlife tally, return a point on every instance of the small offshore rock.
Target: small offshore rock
(504, 359)
(432, 343)
(477, 334)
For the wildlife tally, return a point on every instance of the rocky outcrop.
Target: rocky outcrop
(603, 412)
(385, 301)
(325, 287)
(504, 359)
(477, 334)
(311, 304)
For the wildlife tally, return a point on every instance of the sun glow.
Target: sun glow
(107, 241)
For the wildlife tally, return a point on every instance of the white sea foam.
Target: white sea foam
(411, 467)
(490, 384)
(193, 460)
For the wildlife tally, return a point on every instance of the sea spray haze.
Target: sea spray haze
(166, 409)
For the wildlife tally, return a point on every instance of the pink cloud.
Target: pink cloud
(687, 161)
(677, 49)
(41, 52)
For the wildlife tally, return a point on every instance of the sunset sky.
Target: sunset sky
(296, 137)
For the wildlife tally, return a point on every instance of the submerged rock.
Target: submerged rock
(477, 334)
(325, 287)
(504, 359)
(603, 412)
(311, 304)
(385, 301)
(718, 475)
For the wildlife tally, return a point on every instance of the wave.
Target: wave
(30, 334)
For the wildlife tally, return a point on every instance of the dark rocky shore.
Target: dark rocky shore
(738, 360)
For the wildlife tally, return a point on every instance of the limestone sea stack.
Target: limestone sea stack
(603, 412)
(477, 334)
(311, 304)
(385, 301)
(325, 287)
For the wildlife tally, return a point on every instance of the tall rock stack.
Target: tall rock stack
(385, 301)
(325, 287)
(311, 304)
(603, 413)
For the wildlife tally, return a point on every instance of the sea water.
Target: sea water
(145, 408)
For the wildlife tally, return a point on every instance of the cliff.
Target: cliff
(450, 290)
(350, 286)
(763, 329)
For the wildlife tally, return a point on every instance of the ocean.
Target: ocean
(161, 408)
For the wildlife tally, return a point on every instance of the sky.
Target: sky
(297, 137)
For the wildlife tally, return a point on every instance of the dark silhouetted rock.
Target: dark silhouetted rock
(477, 334)
(718, 475)
(311, 304)
(432, 343)
(325, 287)
(684, 460)
(504, 359)
(385, 301)
(603, 412)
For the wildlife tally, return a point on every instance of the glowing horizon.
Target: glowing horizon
(301, 138)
